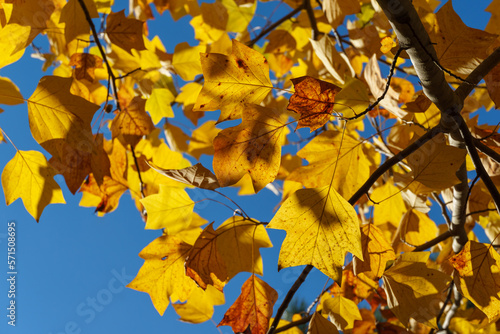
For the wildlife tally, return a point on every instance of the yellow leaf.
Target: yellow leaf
(54, 113)
(202, 139)
(186, 60)
(320, 325)
(213, 259)
(321, 227)
(13, 39)
(493, 25)
(253, 308)
(125, 32)
(333, 154)
(352, 99)
(478, 277)
(280, 41)
(458, 47)
(415, 290)
(200, 305)
(433, 166)
(387, 43)
(104, 197)
(9, 93)
(239, 15)
(162, 275)
(342, 311)
(415, 229)
(159, 104)
(28, 176)
(242, 77)
(336, 10)
(31, 15)
(390, 206)
(338, 65)
(73, 16)
(170, 209)
(253, 147)
(376, 252)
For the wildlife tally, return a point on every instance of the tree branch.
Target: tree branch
(312, 19)
(486, 150)
(101, 50)
(288, 298)
(392, 161)
(302, 321)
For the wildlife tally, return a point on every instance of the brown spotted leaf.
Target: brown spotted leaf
(313, 100)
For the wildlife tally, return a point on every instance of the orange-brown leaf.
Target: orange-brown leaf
(132, 122)
(478, 279)
(85, 65)
(217, 256)
(252, 309)
(313, 100)
(125, 32)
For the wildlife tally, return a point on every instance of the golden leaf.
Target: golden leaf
(28, 176)
(376, 252)
(242, 77)
(162, 275)
(253, 147)
(478, 279)
(321, 227)
(415, 290)
(171, 209)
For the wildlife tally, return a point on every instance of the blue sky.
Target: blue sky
(72, 266)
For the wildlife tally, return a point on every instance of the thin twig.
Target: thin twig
(138, 171)
(275, 24)
(486, 150)
(471, 149)
(392, 161)
(302, 321)
(101, 50)
(312, 19)
(443, 236)
(447, 300)
(443, 208)
(288, 298)
(387, 86)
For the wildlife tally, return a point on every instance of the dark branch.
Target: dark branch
(101, 50)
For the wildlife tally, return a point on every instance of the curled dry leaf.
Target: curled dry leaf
(196, 175)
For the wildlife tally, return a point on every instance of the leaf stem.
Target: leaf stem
(138, 170)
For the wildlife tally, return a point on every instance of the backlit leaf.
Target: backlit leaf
(253, 147)
(162, 275)
(196, 175)
(242, 77)
(321, 228)
(342, 311)
(253, 308)
(415, 290)
(320, 325)
(217, 256)
(376, 252)
(170, 209)
(200, 305)
(74, 18)
(313, 100)
(478, 277)
(158, 104)
(125, 32)
(9, 93)
(28, 176)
